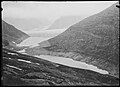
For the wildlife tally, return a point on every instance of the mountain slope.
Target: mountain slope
(64, 22)
(96, 37)
(24, 70)
(10, 33)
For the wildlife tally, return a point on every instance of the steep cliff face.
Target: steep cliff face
(10, 33)
(96, 37)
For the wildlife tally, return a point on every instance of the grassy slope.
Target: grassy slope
(96, 36)
(47, 73)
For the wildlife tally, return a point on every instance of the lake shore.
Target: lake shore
(75, 57)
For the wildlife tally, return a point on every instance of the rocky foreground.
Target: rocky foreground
(36, 71)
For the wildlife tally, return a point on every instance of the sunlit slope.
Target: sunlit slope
(96, 36)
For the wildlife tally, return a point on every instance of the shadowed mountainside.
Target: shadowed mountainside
(10, 33)
(12, 36)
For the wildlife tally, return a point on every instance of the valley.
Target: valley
(65, 60)
(94, 43)
(34, 50)
(57, 45)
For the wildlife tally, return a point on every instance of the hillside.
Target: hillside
(10, 33)
(23, 70)
(95, 39)
(64, 22)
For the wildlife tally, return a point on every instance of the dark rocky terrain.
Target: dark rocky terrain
(10, 33)
(12, 36)
(94, 40)
(39, 72)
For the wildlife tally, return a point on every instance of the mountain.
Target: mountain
(24, 70)
(26, 24)
(94, 40)
(46, 33)
(64, 22)
(12, 35)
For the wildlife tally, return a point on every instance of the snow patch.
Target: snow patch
(13, 42)
(37, 63)
(14, 67)
(13, 53)
(9, 58)
(24, 61)
(22, 51)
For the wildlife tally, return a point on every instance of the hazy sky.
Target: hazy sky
(52, 10)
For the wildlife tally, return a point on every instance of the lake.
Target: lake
(33, 41)
(39, 36)
(72, 63)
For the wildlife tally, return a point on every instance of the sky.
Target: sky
(52, 10)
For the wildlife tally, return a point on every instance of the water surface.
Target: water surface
(33, 41)
(72, 63)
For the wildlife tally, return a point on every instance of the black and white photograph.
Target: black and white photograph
(60, 43)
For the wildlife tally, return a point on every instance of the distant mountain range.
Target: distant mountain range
(11, 34)
(96, 38)
(64, 22)
(26, 24)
